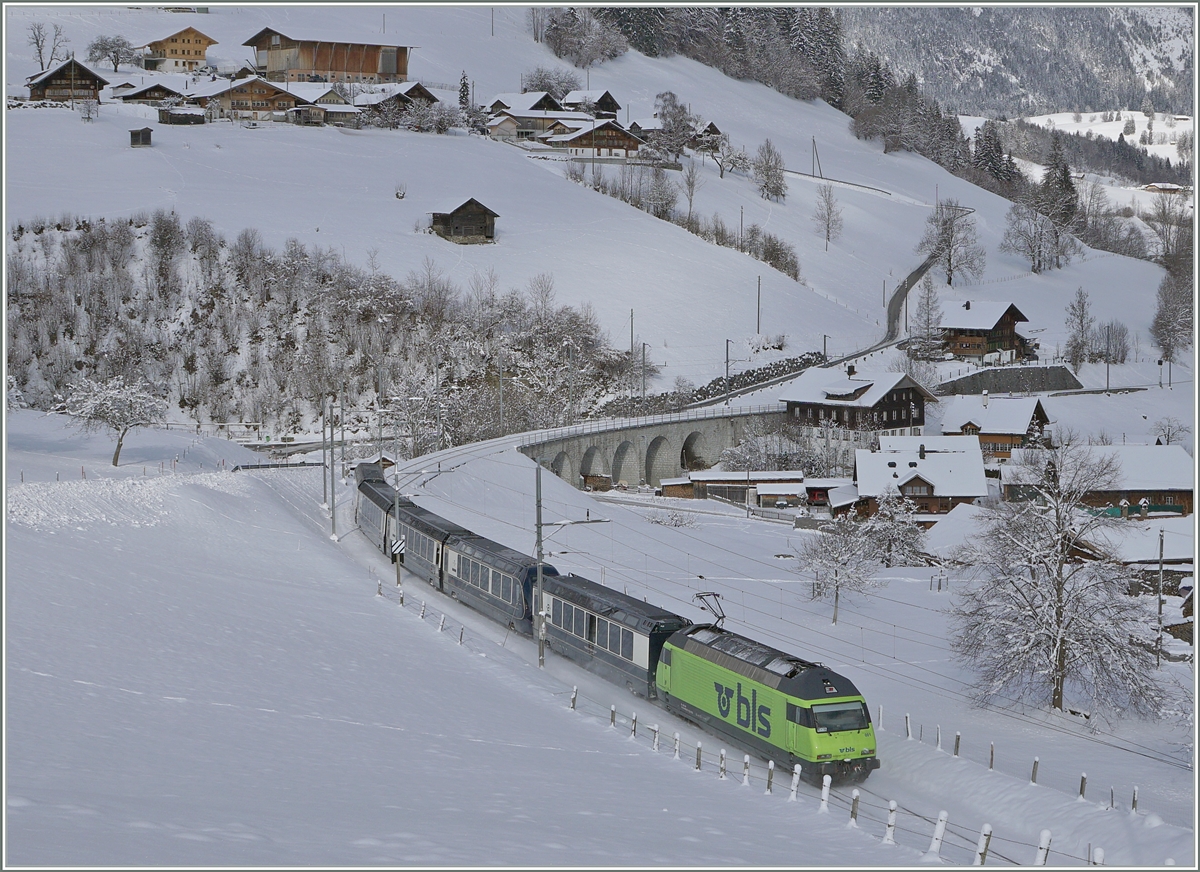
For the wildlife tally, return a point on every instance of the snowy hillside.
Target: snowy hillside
(197, 675)
(335, 188)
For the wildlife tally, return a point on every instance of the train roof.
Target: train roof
(501, 556)
(429, 522)
(770, 666)
(612, 604)
(368, 472)
(383, 494)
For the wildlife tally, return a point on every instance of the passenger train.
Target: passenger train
(783, 707)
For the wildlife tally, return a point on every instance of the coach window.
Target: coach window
(591, 628)
(508, 597)
(556, 613)
(568, 617)
(580, 620)
(602, 633)
(474, 573)
(626, 644)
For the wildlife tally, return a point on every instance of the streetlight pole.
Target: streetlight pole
(727, 341)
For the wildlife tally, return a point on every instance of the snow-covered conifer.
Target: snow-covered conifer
(895, 537)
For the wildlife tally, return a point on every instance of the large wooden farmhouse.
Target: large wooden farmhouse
(253, 98)
(976, 329)
(889, 402)
(178, 53)
(152, 94)
(69, 81)
(319, 57)
(597, 139)
(602, 103)
(936, 473)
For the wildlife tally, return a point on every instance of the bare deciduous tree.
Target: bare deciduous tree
(828, 214)
(114, 407)
(1048, 618)
(47, 47)
(950, 237)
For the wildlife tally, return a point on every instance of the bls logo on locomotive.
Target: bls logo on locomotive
(750, 714)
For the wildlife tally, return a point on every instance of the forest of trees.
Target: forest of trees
(236, 331)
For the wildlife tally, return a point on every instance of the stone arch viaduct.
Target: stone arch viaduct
(644, 450)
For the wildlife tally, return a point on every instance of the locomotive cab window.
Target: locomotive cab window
(838, 716)
(799, 715)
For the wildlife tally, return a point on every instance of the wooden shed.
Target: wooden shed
(469, 223)
(140, 138)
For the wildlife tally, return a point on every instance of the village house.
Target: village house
(472, 222)
(69, 81)
(885, 402)
(181, 115)
(1153, 479)
(397, 96)
(978, 330)
(153, 94)
(599, 139)
(321, 58)
(642, 128)
(601, 103)
(246, 99)
(935, 481)
(512, 124)
(1001, 423)
(324, 105)
(180, 52)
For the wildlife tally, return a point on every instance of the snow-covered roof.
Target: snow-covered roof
(584, 96)
(1143, 467)
(136, 92)
(570, 119)
(833, 387)
(843, 495)
(586, 130)
(667, 482)
(813, 483)
(982, 315)
(951, 474)
(1007, 415)
(311, 91)
(1136, 541)
(647, 123)
(45, 74)
(362, 38)
(521, 102)
(780, 490)
(938, 444)
(953, 530)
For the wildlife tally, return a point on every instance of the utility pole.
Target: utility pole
(539, 619)
(332, 483)
(758, 324)
(631, 354)
(324, 481)
(1158, 653)
(643, 374)
(501, 392)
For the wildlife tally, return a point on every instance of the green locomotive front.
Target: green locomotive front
(783, 707)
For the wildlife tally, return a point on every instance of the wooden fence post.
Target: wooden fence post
(992, 756)
(795, 783)
(1043, 849)
(957, 741)
(825, 782)
(1082, 785)
(612, 716)
(697, 756)
(907, 726)
(981, 847)
(854, 809)
(633, 726)
(654, 732)
(574, 695)
(677, 746)
(1033, 776)
(746, 770)
(1134, 808)
(939, 832)
(889, 834)
(442, 624)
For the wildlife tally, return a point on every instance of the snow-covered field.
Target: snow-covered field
(196, 674)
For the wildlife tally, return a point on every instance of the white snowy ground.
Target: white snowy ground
(196, 674)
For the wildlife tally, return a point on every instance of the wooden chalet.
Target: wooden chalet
(180, 52)
(1001, 423)
(888, 402)
(247, 99)
(394, 98)
(936, 481)
(322, 105)
(976, 329)
(152, 94)
(602, 103)
(1152, 479)
(472, 222)
(599, 139)
(317, 57)
(69, 81)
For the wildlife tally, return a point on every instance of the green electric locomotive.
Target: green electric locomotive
(786, 708)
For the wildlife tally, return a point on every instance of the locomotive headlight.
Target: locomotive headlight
(867, 751)
(824, 756)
